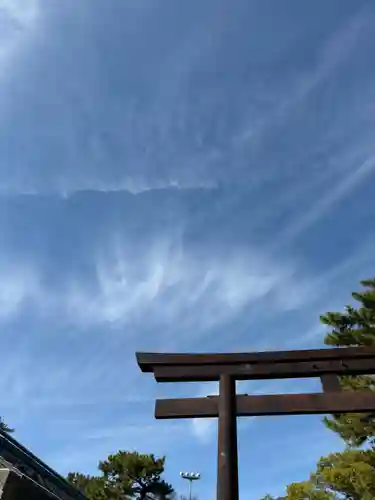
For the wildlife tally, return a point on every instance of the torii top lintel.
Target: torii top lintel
(174, 367)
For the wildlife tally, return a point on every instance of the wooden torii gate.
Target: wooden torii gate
(328, 364)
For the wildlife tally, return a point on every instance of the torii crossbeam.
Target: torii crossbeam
(328, 364)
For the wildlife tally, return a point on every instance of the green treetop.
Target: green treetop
(354, 327)
(350, 474)
(126, 475)
(339, 476)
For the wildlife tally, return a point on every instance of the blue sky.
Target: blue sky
(177, 176)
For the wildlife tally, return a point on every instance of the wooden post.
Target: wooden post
(330, 383)
(227, 474)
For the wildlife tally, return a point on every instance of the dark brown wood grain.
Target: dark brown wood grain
(284, 404)
(256, 371)
(227, 456)
(330, 383)
(148, 361)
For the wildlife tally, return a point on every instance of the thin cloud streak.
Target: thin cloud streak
(336, 50)
(343, 187)
(166, 282)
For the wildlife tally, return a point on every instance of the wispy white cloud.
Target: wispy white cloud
(166, 281)
(172, 284)
(18, 20)
(19, 283)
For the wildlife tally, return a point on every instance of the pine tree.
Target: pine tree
(348, 475)
(354, 327)
(125, 475)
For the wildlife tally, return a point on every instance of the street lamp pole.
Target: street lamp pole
(190, 476)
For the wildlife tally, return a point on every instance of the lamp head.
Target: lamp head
(191, 476)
